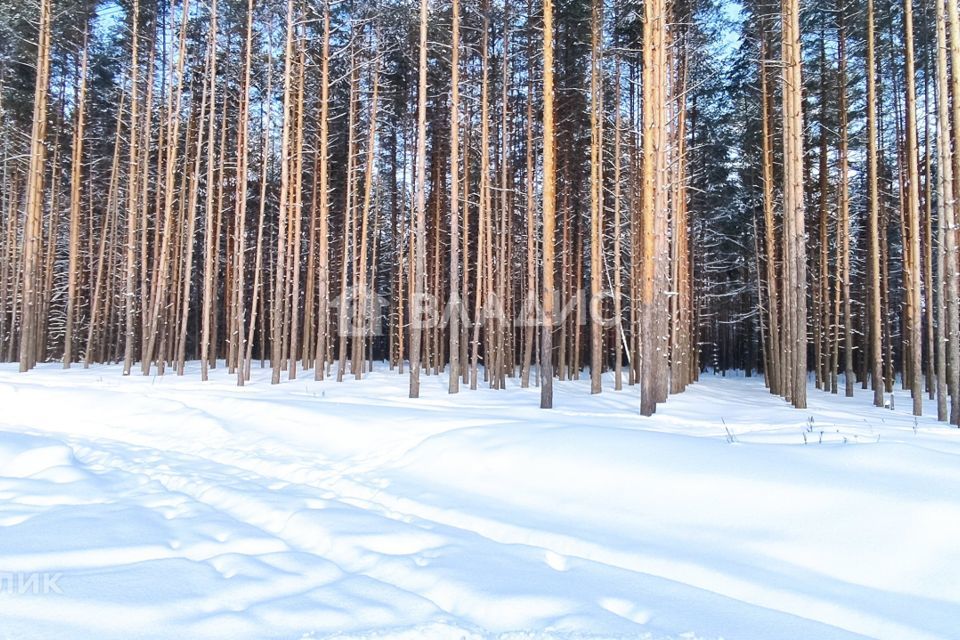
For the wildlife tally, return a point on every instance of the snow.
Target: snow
(163, 507)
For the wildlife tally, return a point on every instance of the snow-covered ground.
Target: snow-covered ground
(170, 508)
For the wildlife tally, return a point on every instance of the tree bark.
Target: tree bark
(596, 194)
(794, 240)
(455, 303)
(323, 269)
(549, 204)
(420, 251)
(912, 264)
(873, 217)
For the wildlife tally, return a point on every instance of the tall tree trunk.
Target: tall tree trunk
(241, 203)
(946, 307)
(348, 224)
(953, 298)
(795, 258)
(873, 217)
(619, 337)
(482, 294)
(35, 195)
(132, 191)
(210, 236)
(844, 205)
(912, 214)
(679, 258)
(455, 303)
(296, 210)
(503, 231)
(596, 194)
(653, 213)
(549, 204)
(280, 281)
(418, 292)
(775, 375)
(323, 269)
(530, 293)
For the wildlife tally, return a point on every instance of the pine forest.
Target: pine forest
(488, 190)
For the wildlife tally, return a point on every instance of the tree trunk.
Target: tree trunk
(873, 217)
(653, 213)
(418, 291)
(132, 191)
(844, 205)
(549, 204)
(596, 194)
(280, 280)
(793, 207)
(912, 214)
(455, 303)
(323, 269)
(775, 375)
(953, 297)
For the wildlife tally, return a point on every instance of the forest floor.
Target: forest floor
(163, 507)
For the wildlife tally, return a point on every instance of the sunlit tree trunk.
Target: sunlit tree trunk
(323, 269)
(596, 194)
(240, 220)
(296, 212)
(912, 263)
(455, 303)
(549, 204)
(653, 213)
(953, 299)
(419, 250)
(280, 280)
(793, 207)
(132, 192)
